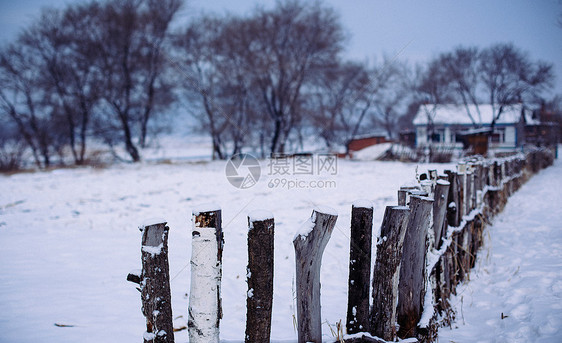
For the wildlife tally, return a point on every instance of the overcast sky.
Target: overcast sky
(416, 30)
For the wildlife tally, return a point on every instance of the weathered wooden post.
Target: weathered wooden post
(386, 273)
(205, 310)
(471, 191)
(467, 200)
(403, 194)
(359, 267)
(440, 204)
(453, 209)
(310, 242)
(155, 283)
(461, 174)
(428, 186)
(412, 268)
(261, 228)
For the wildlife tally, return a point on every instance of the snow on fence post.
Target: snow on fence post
(155, 283)
(205, 310)
(359, 267)
(386, 272)
(310, 242)
(261, 228)
(411, 288)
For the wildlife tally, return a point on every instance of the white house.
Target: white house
(445, 124)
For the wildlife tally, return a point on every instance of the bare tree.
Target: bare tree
(431, 88)
(338, 102)
(65, 71)
(510, 77)
(461, 68)
(201, 77)
(131, 37)
(22, 100)
(391, 94)
(285, 47)
(247, 75)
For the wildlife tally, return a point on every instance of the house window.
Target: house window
(499, 135)
(437, 136)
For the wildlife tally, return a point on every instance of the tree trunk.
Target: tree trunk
(276, 136)
(205, 310)
(386, 273)
(310, 242)
(359, 268)
(259, 277)
(129, 146)
(155, 284)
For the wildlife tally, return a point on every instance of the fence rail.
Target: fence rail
(427, 246)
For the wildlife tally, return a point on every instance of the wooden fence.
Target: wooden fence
(427, 245)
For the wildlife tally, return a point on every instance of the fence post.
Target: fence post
(440, 203)
(310, 242)
(205, 310)
(155, 283)
(403, 194)
(412, 268)
(461, 174)
(387, 272)
(453, 207)
(472, 188)
(261, 228)
(359, 267)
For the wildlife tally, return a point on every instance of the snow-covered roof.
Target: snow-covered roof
(458, 115)
(372, 134)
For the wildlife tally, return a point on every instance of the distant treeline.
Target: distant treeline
(112, 71)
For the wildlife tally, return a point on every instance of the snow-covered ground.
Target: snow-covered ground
(69, 237)
(515, 291)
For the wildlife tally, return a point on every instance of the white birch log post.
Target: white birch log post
(259, 276)
(310, 242)
(205, 310)
(359, 267)
(411, 289)
(155, 283)
(386, 272)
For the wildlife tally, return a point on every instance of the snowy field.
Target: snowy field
(69, 237)
(515, 290)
